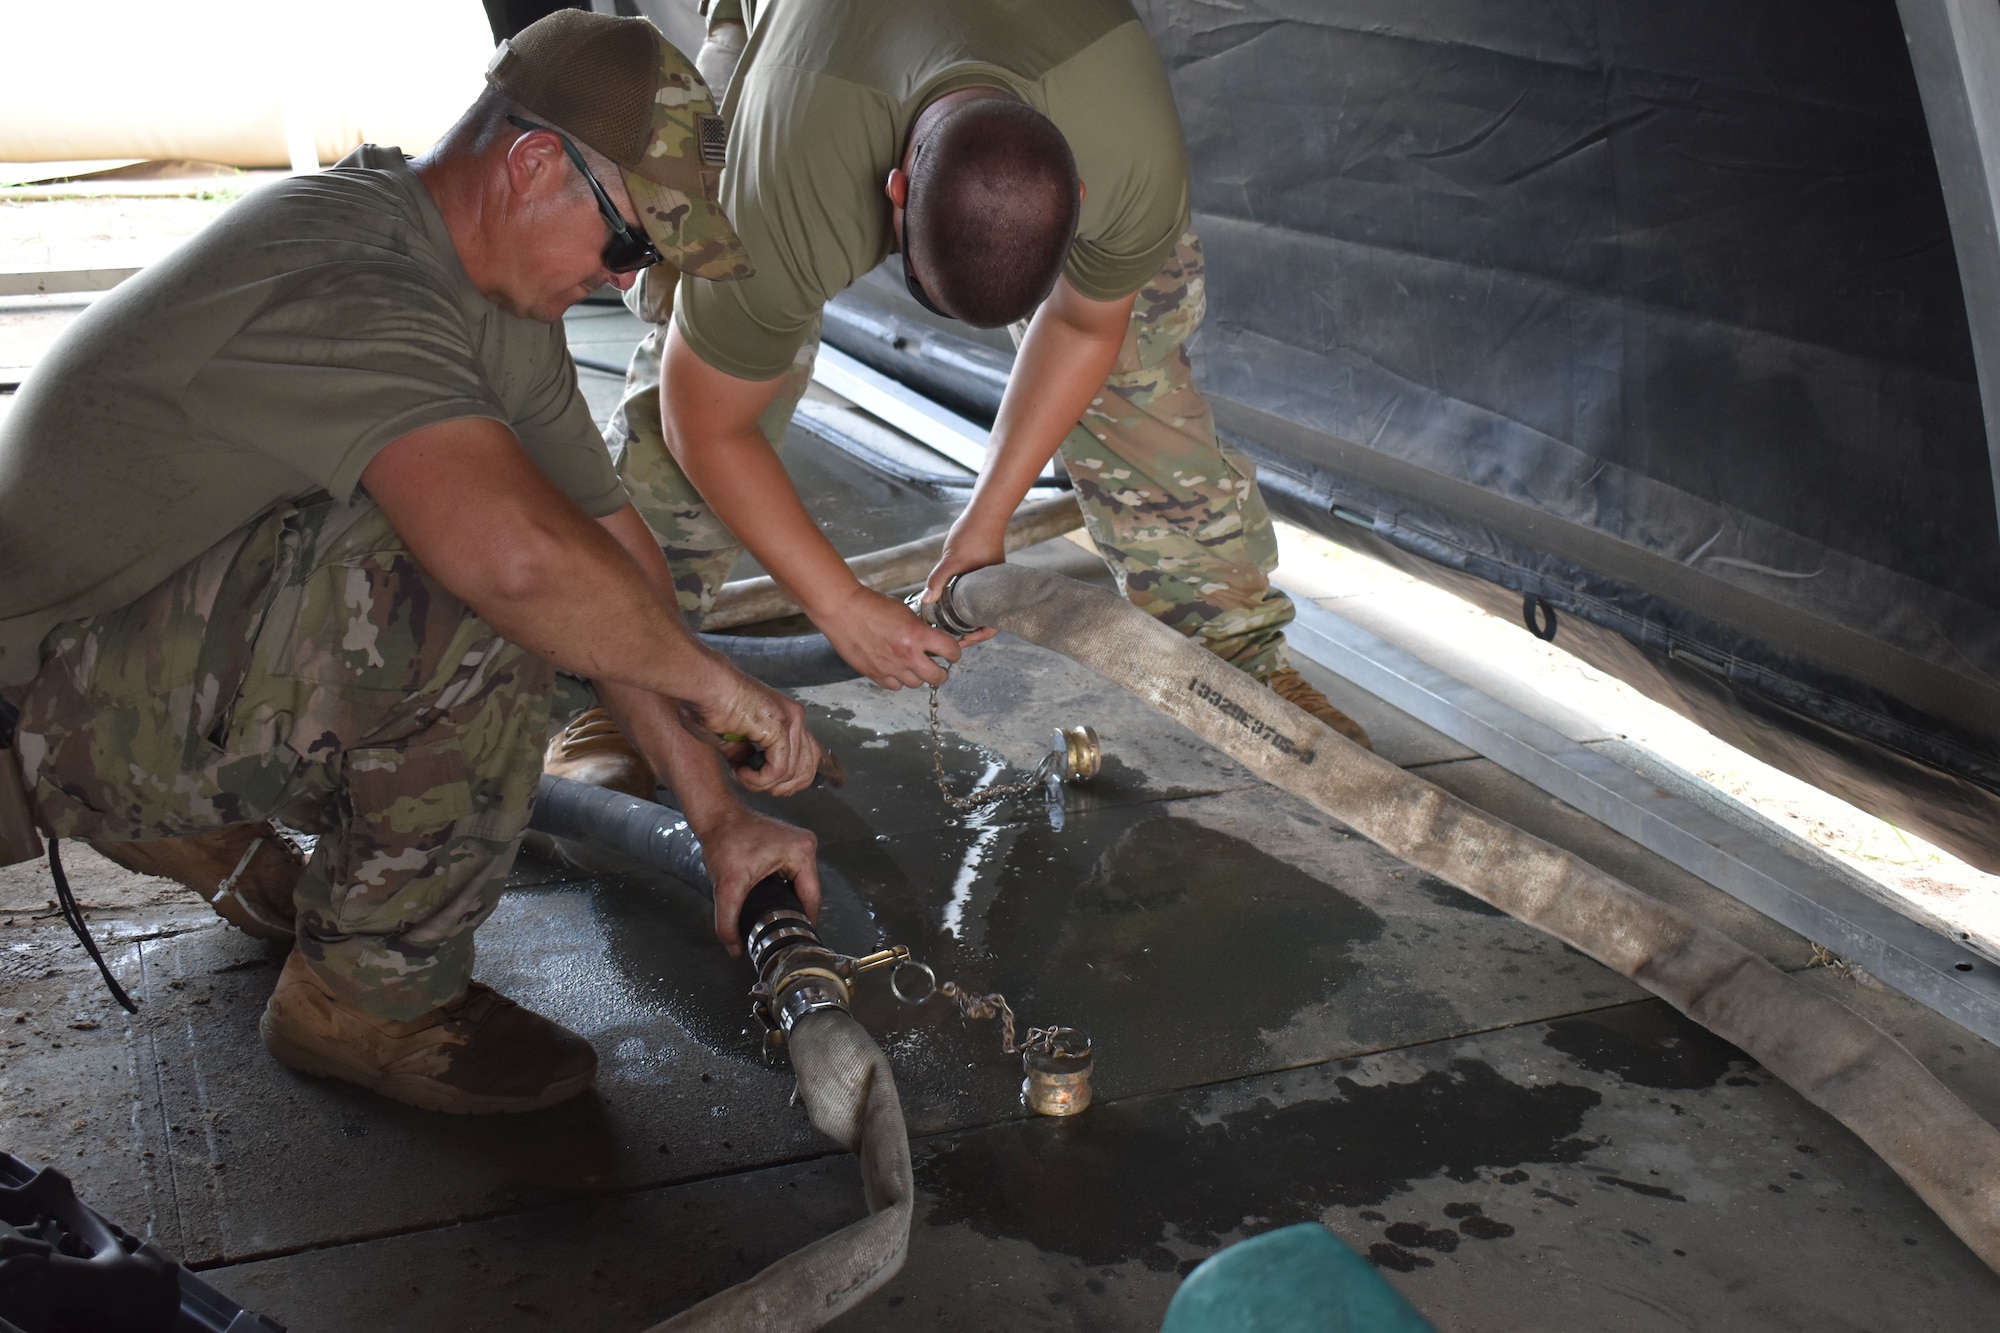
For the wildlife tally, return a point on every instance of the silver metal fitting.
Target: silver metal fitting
(944, 612)
(809, 996)
(773, 931)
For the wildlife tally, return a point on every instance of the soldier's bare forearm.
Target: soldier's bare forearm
(691, 769)
(484, 521)
(709, 420)
(1069, 350)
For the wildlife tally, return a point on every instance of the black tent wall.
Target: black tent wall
(1651, 310)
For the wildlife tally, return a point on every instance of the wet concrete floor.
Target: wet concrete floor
(1291, 1025)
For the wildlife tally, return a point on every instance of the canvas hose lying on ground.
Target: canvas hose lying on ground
(844, 1081)
(1832, 1056)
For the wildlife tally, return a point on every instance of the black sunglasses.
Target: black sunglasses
(917, 292)
(627, 251)
(917, 288)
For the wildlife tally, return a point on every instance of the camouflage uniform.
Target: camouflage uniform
(306, 669)
(1175, 512)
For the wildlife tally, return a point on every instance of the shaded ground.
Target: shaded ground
(1292, 1026)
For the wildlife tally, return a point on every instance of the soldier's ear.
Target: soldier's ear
(535, 159)
(897, 187)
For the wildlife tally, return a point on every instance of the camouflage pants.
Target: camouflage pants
(1175, 512)
(306, 669)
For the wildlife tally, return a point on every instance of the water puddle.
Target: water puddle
(1174, 944)
(1647, 1044)
(1112, 1185)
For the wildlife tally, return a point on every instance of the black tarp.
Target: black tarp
(1649, 310)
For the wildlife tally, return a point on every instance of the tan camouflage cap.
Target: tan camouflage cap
(619, 86)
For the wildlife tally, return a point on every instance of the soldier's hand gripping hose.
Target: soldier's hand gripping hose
(733, 704)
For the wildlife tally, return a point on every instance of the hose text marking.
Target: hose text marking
(1256, 727)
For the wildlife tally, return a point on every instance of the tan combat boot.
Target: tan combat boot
(1293, 688)
(246, 871)
(484, 1055)
(593, 751)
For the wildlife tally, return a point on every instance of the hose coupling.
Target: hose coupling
(796, 973)
(944, 612)
(796, 995)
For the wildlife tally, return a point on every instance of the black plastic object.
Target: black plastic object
(65, 1269)
(72, 915)
(774, 893)
(785, 662)
(1539, 617)
(957, 373)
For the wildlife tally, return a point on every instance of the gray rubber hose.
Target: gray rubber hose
(844, 1080)
(787, 662)
(1832, 1056)
(652, 834)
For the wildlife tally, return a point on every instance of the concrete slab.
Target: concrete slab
(1621, 1170)
(1201, 932)
(79, 1077)
(288, 1161)
(1196, 940)
(1618, 1171)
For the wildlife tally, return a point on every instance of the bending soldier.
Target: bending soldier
(1030, 168)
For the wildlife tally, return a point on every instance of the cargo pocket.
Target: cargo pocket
(408, 804)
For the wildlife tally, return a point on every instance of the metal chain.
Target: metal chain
(988, 796)
(976, 1008)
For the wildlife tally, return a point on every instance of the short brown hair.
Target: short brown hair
(992, 210)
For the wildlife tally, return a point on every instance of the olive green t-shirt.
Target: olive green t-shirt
(267, 360)
(819, 114)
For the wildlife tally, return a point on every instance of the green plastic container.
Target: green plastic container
(1296, 1280)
